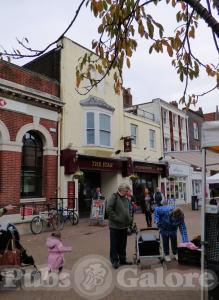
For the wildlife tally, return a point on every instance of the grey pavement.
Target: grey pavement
(94, 240)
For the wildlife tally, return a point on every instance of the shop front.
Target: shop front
(148, 175)
(176, 185)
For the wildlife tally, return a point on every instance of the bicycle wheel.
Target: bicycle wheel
(36, 225)
(73, 217)
(57, 222)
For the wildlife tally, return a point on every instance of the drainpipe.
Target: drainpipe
(58, 163)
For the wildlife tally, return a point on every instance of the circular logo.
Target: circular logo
(93, 278)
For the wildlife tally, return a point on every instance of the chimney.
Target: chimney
(127, 98)
(200, 111)
(174, 103)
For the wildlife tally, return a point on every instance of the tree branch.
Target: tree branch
(204, 13)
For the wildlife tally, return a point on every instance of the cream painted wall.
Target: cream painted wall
(111, 182)
(73, 118)
(144, 125)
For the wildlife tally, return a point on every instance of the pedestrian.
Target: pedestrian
(168, 220)
(148, 199)
(97, 194)
(56, 254)
(118, 210)
(158, 197)
(132, 227)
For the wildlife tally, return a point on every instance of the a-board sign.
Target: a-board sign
(97, 209)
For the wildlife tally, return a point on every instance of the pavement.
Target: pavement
(129, 282)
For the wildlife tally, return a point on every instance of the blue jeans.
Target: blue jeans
(166, 238)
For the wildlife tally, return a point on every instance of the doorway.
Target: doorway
(86, 189)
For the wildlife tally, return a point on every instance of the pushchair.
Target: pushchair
(148, 247)
(8, 233)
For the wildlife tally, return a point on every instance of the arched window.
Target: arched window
(32, 165)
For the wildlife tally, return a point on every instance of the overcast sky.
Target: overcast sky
(151, 76)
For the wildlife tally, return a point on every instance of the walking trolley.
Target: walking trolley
(148, 246)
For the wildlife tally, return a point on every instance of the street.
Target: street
(94, 240)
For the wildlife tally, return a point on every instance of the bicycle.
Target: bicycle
(69, 215)
(50, 217)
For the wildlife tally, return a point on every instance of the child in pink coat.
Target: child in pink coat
(56, 252)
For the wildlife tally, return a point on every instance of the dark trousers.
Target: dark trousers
(148, 217)
(166, 248)
(118, 242)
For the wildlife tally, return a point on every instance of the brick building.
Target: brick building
(29, 126)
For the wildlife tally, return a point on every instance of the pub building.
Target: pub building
(104, 173)
(96, 172)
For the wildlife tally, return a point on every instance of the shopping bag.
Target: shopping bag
(10, 257)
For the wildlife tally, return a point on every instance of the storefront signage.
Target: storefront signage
(179, 170)
(71, 194)
(102, 164)
(26, 211)
(147, 169)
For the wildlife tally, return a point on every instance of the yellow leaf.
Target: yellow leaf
(128, 63)
(170, 50)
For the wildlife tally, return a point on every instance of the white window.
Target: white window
(166, 144)
(104, 128)
(164, 116)
(195, 130)
(134, 129)
(90, 128)
(152, 139)
(175, 145)
(98, 129)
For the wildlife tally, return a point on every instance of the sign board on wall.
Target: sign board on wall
(179, 170)
(26, 211)
(71, 195)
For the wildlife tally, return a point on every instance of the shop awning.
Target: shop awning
(194, 157)
(213, 179)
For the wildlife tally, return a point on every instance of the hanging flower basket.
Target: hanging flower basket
(78, 175)
(133, 177)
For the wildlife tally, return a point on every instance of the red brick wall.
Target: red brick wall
(14, 121)
(10, 161)
(50, 176)
(10, 177)
(51, 124)
(27, 78)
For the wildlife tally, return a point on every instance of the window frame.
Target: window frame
(154, 139)
(97, 112)
(166, 144)
(165, 117)
(134, 137)
(34, 173)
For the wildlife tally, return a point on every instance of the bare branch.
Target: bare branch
(40, 52)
